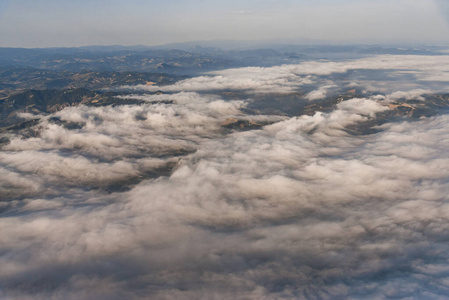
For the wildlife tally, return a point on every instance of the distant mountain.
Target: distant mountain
(111, 59)
(140, 59)
(50, 101)
(189, 59)
(18, 79)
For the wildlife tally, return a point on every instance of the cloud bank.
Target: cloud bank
(298, 209)
(406, 71)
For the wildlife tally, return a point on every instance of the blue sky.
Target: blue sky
(30, 23)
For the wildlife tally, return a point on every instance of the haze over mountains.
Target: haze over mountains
(290, 172)
(49, 23)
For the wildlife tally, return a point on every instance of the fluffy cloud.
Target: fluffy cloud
(113, 146)
(321, 93)
(409, 95)
(299, 209)
(253, 79)
(417, 71)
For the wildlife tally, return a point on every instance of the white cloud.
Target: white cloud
(410, 95)
(425, 70)
(320, 93)
(333, 191)
(253, 79)
(112, 145)
(245, 215)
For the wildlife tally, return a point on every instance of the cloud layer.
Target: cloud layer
(394, 71)
(298, 209)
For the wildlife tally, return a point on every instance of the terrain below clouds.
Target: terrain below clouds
(318, 180)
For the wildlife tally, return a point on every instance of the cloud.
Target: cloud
(297, 209)
(321, 93)
(410, 95)
(315, 79)
(253, 79)
(110, 147)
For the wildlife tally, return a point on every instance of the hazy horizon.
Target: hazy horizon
(50, 23)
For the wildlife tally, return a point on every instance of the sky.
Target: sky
(48, 23)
